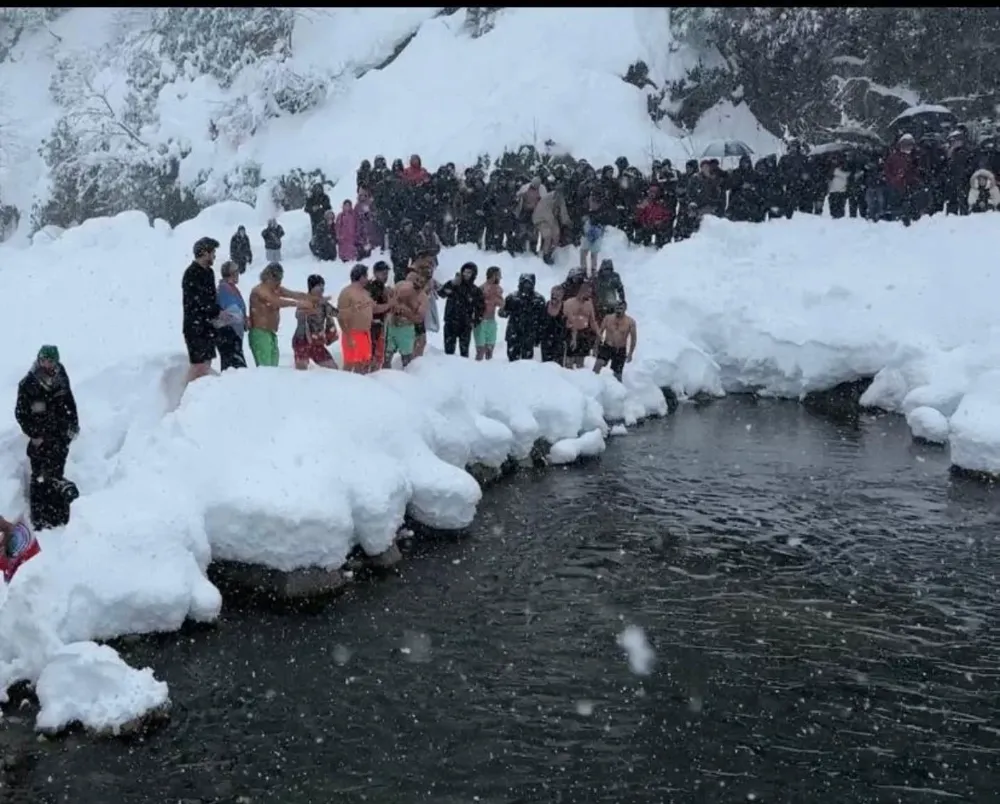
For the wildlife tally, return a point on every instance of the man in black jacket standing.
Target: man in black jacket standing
(201, 308)
(523, 311)
(463, 310)
(46, 413)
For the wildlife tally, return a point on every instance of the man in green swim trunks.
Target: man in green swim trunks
(266, 301)
(485, 333)
(409, 306)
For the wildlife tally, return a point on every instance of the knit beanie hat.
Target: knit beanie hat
(49, 353)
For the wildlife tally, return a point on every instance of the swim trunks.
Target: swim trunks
(584, 344)
(263, 347)
(200, 346)
(356, 346)
(400, 338)
(614, 357)
(485, 333)
(305, 350)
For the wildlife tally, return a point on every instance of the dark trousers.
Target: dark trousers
(520, 351)
(230, 346)
(554, 351)
(46, 496)
(838, 204)
(460, 333)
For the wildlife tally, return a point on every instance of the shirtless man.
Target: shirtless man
(409, 306)
(266, 301)
(378, 288)
(356, 308)
(581, 327)
(424, 264)
(618, 336)
(485, 333)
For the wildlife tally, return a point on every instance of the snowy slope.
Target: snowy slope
(541, 74)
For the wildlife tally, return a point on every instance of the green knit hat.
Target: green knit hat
(49, 353)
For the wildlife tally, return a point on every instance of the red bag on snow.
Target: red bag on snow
(18, 547)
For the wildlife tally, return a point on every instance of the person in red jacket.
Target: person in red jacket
(653, 217)
(902, 179)
(414, 174)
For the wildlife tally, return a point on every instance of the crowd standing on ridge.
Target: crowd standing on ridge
(407, 209)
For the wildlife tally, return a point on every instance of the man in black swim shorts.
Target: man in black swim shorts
(618, 338)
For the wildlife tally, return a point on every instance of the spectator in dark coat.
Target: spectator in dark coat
(46, 412)
(239, 249)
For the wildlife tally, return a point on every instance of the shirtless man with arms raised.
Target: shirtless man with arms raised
(485, 333)
(617, 341)
(409, 306)
(355, 308)
(581, 327)
(266, 301)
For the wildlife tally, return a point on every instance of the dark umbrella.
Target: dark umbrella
(720, 149)
(857, 136)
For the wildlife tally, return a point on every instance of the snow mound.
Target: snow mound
(974, 437)
(89, 684)
(567, 450)
(928, 425)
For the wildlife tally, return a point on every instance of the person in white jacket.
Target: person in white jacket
(837, 187)
(984, 195)
(528, 197)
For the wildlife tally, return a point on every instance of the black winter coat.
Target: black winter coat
(239, 249)
(272, 237)
(524, 312)
(465, 303)
(47, 410)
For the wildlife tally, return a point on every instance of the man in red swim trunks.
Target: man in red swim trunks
(355, 308)
(315, 329)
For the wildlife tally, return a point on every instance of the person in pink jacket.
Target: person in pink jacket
(346, 227)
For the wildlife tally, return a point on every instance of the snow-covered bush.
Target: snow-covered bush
(239, 184)
(290, 190)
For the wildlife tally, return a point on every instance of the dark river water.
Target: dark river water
(821, 600)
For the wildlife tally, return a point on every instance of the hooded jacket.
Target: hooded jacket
(465, 304)
(524, 310)
(46, 407)
(986, 199)
(608, 288)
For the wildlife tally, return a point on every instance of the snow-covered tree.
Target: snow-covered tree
(16, 22)
(222, 41)
(479, 20)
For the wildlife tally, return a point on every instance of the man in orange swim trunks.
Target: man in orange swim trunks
(355, 308)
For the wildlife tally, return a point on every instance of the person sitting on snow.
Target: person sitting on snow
(984, 195)
(46, 412)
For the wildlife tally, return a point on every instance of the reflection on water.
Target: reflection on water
(821, 601)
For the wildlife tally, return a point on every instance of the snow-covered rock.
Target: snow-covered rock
(928, 424)
(974, 436)
(90, 685)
